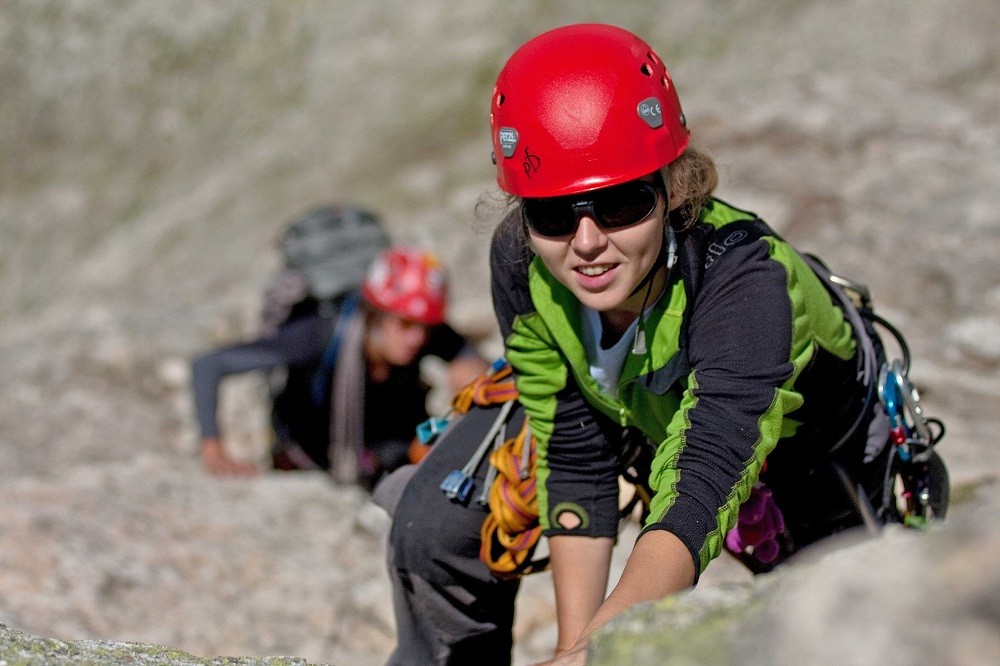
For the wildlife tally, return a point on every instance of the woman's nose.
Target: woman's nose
(417, 335)
(589, 236)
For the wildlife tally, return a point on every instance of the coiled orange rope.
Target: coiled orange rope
(490, 389)
(511, 531)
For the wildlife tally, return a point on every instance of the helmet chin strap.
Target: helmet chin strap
(670, 240)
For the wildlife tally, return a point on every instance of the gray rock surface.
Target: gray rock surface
(905, 597)
(151, 150)
(21, 649)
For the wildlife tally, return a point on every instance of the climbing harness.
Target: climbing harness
(916, 486)
(511, 531)
(458, 485)
(494, 387)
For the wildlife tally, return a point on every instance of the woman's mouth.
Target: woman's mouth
(595, 277)
(595, 270)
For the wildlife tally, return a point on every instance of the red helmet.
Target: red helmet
(582, 107)
(409, 283)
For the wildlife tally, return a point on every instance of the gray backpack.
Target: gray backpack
(333, 247)
(326, 253)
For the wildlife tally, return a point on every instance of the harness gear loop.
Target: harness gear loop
(494, 387)
(511, 531)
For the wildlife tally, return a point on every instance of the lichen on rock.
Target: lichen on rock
(20, 649)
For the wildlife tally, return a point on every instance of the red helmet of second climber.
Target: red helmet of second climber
(583, 107)
(409, 283)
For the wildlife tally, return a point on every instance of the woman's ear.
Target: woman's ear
(673, 187)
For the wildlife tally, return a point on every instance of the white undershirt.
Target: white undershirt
(606, 364)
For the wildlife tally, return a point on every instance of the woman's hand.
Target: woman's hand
(217, 463)
(575, 656)
(658, 566)
(464, 370)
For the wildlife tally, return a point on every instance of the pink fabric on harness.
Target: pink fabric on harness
(757, 528)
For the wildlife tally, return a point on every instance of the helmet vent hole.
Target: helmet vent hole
(653, 58)
(646, 69)
(500, 99)
(664, 82)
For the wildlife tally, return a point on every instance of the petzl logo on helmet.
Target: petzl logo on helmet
(651, 112)
(508, 140)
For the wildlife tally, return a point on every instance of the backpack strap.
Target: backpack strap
(714, 242)
(868, 361)
(322, 378)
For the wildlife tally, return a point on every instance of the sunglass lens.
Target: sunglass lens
(625, 204)
(550, 217)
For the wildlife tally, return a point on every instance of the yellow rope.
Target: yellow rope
(489, 389)
(511, 531)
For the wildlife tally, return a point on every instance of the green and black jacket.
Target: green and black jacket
(746, 350)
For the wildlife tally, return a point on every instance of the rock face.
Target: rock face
(17, 647)
(150, 151)
(905, 597)
(153, 550)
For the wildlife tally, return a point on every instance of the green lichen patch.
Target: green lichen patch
(20, 649)
(681, 630)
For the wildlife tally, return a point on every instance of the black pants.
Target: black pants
(449, 608)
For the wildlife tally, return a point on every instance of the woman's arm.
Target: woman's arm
(660, 565)
(580, 576)
(299, 341)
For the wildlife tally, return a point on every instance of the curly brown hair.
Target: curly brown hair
(693, 179)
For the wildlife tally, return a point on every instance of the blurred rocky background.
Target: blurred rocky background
(151, 151)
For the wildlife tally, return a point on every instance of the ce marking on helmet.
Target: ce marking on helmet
(651, 112)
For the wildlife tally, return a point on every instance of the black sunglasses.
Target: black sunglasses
(612, 208)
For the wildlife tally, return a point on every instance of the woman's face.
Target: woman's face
(602, 267)
(395, 340)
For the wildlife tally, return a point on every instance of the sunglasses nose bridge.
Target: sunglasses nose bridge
(585, 208)
(582, 208)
